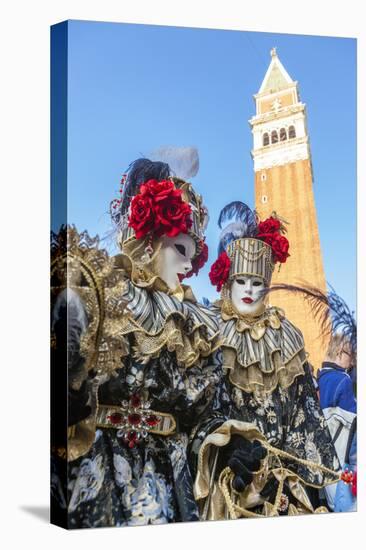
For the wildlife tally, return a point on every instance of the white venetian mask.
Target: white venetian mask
(175, 258)
(247, 294)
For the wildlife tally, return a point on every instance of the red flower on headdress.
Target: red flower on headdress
(279, 245)
(166, 212)
(198, 262)
(159, 190)
(172, 216)
(270, 225)
(219, 272)
(142, 216)
(269, 231)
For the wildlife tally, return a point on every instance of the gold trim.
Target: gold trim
(223, 499)
(241, 257)
(283, 375)
(119, 323)
(250, 377)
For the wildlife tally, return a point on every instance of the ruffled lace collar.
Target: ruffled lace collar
(155, 320)
(263, 352)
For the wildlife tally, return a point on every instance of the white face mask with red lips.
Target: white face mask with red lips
(175, 258)
(247, 294)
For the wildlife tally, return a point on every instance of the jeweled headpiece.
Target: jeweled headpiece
(156, 200)
(248, 246)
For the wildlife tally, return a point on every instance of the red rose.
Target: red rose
(159, 190)
(279, 245)
(172, 216)
(159, 209)
(142, 217)
(270, 225)
(280, 248)
(199, 262)
(220, 269)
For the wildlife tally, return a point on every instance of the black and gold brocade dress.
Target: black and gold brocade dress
(127, 460)
(274, 400)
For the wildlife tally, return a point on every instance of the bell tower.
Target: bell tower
(284, 184)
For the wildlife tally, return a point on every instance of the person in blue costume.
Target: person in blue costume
(336, 383)
(338, 401)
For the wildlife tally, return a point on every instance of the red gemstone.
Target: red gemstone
(135, 401)
(134, 419)
(152, 420)
(115, 418)
(132, 439)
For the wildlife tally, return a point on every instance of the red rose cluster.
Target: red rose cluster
(160, 210)
(269, 231)
(350, 478)
(198, 262)
(219, 272)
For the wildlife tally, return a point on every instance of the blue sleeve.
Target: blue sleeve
(344, 396)
(353, 453)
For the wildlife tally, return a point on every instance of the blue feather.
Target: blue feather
(237, 211)
(245, 223)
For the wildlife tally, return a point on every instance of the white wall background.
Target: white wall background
(24, 365)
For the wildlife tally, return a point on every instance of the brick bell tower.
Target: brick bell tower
(284, 184)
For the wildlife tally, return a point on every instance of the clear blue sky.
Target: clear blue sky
(134, 88)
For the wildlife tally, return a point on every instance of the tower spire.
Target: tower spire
(274, 52)
(276, 77)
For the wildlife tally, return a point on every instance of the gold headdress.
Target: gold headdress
(248, 246)
(249, 256)
(155, 202)
(197, 216)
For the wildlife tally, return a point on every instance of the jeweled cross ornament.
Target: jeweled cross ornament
(276, 104)
(136, 419)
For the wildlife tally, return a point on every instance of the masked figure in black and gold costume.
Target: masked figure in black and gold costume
(275, 452)
(144, 367)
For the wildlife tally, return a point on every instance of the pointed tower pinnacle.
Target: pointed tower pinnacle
(276, 77)
(279, 124)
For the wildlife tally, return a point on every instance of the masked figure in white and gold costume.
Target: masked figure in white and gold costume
(275, 452)
(144, 370)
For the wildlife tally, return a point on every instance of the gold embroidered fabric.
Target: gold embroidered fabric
(206, 491)
(261, 353)
(216, 497)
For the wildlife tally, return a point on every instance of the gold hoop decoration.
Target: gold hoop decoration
(77, 263)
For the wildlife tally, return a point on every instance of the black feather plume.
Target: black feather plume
(140, 171)
(329, 309)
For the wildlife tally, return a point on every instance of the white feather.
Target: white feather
(237, 229)
(183, 161)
